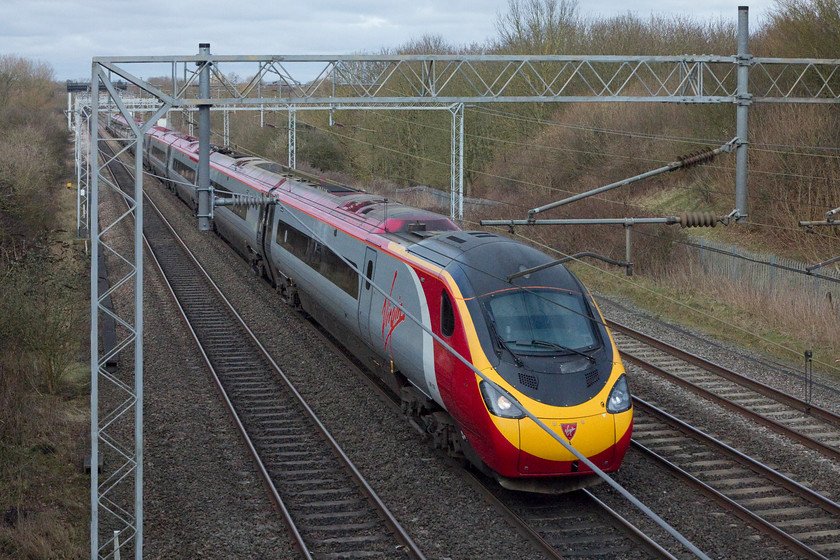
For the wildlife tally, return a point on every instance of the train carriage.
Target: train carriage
(540, 337)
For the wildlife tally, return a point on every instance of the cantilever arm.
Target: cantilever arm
(685, 161)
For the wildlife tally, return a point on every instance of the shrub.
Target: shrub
(320, 150)
(40, 331)
(802, 28)
(31, 146)
(39, 314)
(14, 397)
(28, 166)
(26, 88)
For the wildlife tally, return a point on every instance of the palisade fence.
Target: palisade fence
(767, 272)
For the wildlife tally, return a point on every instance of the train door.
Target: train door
(366, 292)
(169, 157)
(267, 225)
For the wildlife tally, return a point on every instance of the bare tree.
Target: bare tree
(539, 26)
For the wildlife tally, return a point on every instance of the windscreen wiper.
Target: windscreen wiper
(556, 346)
(499, 339)
(503, 344)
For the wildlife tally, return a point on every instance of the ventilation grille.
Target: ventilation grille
(592, 377)
(529, 380)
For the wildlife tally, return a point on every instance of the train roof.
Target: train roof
(444, 248)
(370, 213)
(474, 251)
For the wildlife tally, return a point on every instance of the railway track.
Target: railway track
(330, 509)
(577, 525)
(798, 518)
(808, 424)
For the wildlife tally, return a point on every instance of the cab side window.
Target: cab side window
(447, 315)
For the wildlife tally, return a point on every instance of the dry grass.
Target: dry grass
(43, 501)
(37, 537)
(793, 318)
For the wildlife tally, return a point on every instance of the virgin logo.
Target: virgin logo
(392, 316)
(569, 430)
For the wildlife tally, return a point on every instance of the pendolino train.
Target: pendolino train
(539, 336)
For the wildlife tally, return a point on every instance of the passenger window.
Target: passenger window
(447, 315)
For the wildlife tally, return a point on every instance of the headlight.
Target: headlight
(498, 403)
(619, 400)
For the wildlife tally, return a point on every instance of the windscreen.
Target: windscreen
(541, 321)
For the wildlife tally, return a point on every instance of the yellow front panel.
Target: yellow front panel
(508, 427)
(593, 435)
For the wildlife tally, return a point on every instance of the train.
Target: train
(336, 252)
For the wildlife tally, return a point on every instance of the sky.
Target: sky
(67, 34)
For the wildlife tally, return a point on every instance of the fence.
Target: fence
(766, 272)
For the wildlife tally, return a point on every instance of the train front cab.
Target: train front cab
(545, 343)
(502, 440)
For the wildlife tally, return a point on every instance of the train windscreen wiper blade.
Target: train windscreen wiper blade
(547, 344)
(492, 321)
(503, 343)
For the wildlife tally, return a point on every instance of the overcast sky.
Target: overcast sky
(68, 33)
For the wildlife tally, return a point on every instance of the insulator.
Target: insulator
(245, 200)
(696, 158)
(698, 219)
